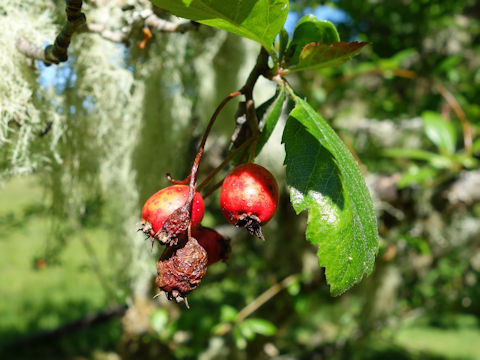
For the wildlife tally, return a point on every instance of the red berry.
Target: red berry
(216, 246)
(166, 201)
(249, 197)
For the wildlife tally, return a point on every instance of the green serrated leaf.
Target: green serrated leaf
(319, 55)
(273, 114)
(441, 132)
(259, 20)
(308, 30)
(324, 179)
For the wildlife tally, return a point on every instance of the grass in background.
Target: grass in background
(38, 295)
(458, 337)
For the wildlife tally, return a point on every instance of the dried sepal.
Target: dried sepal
(251, 223)
(175, 227)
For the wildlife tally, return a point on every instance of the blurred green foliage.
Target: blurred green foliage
(397, 107)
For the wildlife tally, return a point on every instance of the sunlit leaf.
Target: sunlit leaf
(159, 320)
(228, 313)
(318, 55)
(440, 131)
(259, 20)
(260, 326)
(436, 160)
(309, 30)
(325, 179)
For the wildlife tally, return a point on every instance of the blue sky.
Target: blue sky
(322, 12)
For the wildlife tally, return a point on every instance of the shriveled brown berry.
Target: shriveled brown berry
(181, 269)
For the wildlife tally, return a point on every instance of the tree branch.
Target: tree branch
(117, 36)
(144, 18)
(246, 119)
(261, 68)
(76, 23)
(56, 53)
(84, 323)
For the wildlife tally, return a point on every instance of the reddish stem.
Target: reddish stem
(261, 67)
(224, 163)
(178, 182)
(201, 147)
(243, 147)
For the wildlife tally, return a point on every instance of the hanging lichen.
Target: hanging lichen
(23, 114)
(102, 129)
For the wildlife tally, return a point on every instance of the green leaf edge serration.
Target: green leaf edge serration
(354, 191)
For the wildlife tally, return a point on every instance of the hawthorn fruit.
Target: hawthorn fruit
(217, 247)
(249, 197)
(166, 214)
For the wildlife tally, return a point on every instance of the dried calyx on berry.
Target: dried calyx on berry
(175, 226)
(180, 270)
(249, 197)
(166, 214)
(217, 247)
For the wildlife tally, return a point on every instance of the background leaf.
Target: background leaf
(476, 146)
(159, 320)
(437, 161)
(318, 55)
(282, 42)
(228, 313)
(325, 179)
(273, 114)
(441, 132)
(259, 20)
(260, 326)
(309, 30)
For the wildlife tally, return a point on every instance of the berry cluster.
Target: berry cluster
(173, 215)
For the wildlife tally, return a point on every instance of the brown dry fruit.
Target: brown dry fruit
(175, 228)
(181, 269)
